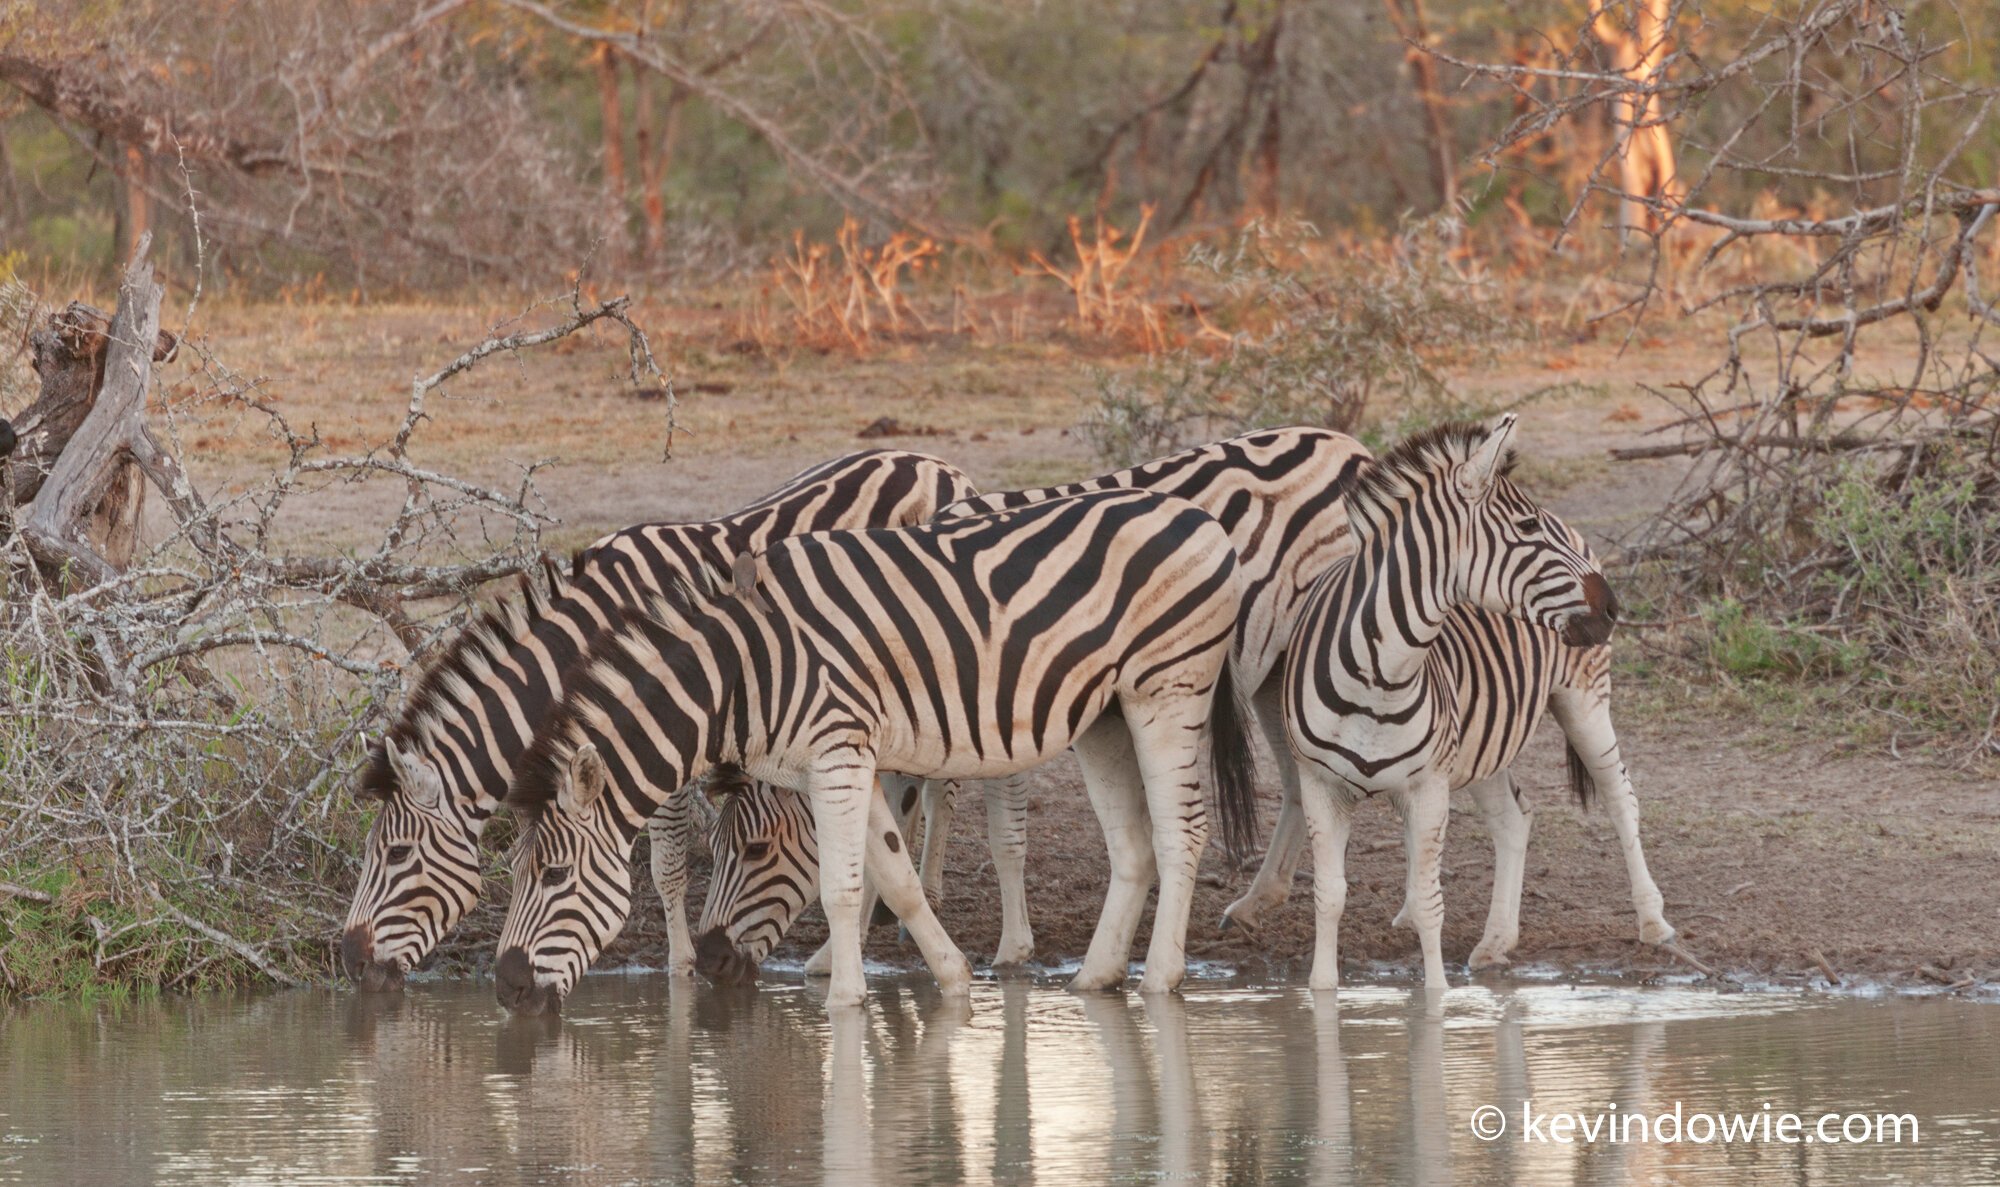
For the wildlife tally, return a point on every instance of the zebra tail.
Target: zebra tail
(1579, 777)
(1233, 771)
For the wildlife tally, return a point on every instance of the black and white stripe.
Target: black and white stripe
(1424, 663)
(962, 649)
(1280, 494)
(441, 770)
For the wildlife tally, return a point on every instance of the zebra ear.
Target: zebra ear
(587, 778)
(414, 776)
(743, 572)
(1475, 477)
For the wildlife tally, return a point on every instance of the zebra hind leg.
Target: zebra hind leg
(1273, 883)
(1329, 815)
(1172, 755)
(1117, 795)
(1585, 717)
(1510, 821)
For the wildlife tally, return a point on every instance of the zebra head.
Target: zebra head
(766, 870)
(419, 867)
(572, 888)
(1445, 503)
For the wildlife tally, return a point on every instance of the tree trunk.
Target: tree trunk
(656, 154)
(138, 203)
(612, 111)
(1267, 159)
(1645, 150)
(1441, 150)
(73, 460)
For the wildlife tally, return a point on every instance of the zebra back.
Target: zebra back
(1278, 493)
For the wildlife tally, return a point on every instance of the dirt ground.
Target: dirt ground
(1775, 841)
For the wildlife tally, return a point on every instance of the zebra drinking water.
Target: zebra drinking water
(962, 649)
(442, 768)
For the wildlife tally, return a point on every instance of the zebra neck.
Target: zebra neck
(1392, 605)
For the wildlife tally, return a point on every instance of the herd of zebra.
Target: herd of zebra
(798, 683)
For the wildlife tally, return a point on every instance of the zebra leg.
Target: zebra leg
(901, 793)
(668, 834)
(1007, 835)
(1509, 820)
(1329, 814)
(1117, 795)
(841, 796)
(1426, 811)
(890, 870)
(1172, 756)
(1585, 717)
(940, 799)
(1273, 883)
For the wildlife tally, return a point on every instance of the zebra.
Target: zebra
(1393, 684)
(1281, 495)
(441, 769)
(961, 649)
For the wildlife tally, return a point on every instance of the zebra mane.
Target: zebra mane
(470, 655)
(1416, 459)
(589, 681)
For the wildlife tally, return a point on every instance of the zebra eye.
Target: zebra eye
(756, 850)
(398, 854)
(1531, 526)
(555, 876)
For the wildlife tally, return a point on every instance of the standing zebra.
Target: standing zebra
(1281, 496)
(442, 768)
(1392, 683)
(962, 649)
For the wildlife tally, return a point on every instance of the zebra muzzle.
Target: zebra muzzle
(1592, 627)
(720, 961)
(357, 957)
(514, 985)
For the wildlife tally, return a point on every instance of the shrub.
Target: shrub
(1323, 335)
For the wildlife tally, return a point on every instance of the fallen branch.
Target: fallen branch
(228, 941)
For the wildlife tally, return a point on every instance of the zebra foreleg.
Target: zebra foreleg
(940, 800)
(1585, 718)
(1007, 835)
(841, 798)
(1510, 821)
(669, 834)
(1329, 815)
(890, 871)
(1117, 795)
(1273, 883)
(1426, 812)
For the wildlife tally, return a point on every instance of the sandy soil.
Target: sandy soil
(1771, 843)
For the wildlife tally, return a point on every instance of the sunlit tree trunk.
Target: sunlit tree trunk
(1646, 151)
(137, 216)
(605, 60)
(1413, 26)
(656, 154)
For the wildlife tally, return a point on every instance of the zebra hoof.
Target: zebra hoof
(1491, 955)
(1085, 982)
(1657, 932)
(1246, 923)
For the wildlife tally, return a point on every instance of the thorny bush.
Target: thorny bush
(176, 743)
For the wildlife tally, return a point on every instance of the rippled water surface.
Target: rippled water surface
(641, 1083)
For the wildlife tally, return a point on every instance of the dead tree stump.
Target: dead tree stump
(72, 470)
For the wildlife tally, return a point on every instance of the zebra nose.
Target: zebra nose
(356, 947)
(718, 960)
(357, 956)
(514, 984)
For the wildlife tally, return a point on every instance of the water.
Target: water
(642, 1085)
